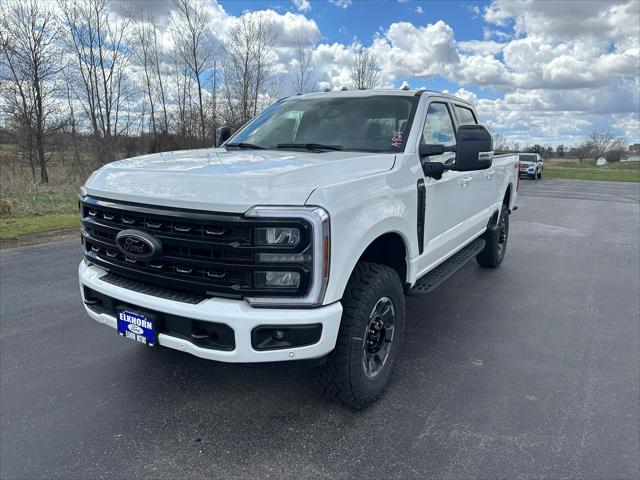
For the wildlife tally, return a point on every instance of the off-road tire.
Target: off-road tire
(343, 376)
(496, 242)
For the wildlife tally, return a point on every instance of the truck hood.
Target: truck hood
(230, 180)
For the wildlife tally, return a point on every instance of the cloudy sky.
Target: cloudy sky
(540, 71)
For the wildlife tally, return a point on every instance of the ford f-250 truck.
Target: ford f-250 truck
(300, 235)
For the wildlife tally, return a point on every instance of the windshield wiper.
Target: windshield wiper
(310, 146)
(246, 145)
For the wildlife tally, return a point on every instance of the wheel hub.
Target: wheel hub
(375, 336)
(378, 337)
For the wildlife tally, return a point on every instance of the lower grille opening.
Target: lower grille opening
(215, 336)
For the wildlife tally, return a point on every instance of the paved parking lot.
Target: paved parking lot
(529, 371)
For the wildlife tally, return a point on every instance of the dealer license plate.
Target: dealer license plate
(136, 325)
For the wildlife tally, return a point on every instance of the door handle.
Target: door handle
(464, 181)
(490, 174)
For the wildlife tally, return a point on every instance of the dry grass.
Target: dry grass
(29, 207)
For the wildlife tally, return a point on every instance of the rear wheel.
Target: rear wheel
(358, 369)
(496, 242)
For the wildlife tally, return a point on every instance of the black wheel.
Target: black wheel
(534, 176)
(496, 242)
(358, 369)
(540, 175)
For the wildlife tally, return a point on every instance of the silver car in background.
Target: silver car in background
(531, 165)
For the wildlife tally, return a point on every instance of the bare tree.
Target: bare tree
(149, 57)
(162, 95)
(193, 46)
(365, 72)
(616, 149)
(500, 143)
(30, 57)
(97, 39)
(143, 35)
(600, 141)
(248, 67)
(583, 150)
(303, 68)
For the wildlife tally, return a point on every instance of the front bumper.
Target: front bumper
(236, 314)
(531, 171)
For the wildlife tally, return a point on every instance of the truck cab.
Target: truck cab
(299, 236)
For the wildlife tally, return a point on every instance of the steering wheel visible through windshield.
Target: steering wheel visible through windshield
(377, 123)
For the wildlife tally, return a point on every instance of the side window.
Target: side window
(465, 116)
(438, 129)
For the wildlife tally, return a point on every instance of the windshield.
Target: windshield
(528, 158)
(378, 123)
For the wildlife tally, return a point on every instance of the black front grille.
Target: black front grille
(208, 254)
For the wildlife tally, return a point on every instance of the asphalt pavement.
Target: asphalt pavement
(528, 371)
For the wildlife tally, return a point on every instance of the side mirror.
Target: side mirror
(474, 148)
(430, 149)
(433, 169)
(222, 135)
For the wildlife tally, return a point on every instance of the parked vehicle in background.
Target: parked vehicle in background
(531, 165)
(299, 236)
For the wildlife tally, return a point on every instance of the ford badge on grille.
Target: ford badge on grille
(137, 244)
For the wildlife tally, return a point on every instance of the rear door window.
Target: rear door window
(465, 116)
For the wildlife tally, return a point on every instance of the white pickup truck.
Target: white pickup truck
(299, 236)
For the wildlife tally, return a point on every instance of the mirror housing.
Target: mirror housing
(474, 148)
(433, 169)
(430, 149)
(222, 135)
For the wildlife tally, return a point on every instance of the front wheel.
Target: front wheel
(496, 242)
(358, 369)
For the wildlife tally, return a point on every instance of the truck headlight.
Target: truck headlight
(312, 262)
(288, 236)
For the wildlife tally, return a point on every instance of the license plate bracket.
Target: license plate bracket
(136, 325)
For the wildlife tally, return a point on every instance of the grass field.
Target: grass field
(614, 174)
(15, 227)
(55, 208)
(36, 212)
(587, 170)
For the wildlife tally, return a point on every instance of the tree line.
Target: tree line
(83, 84)
(75, 76)
(600, 143)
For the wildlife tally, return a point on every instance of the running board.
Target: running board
(435, 277)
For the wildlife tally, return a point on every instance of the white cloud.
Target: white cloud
(419, 10)
(481, 47)
(558, 69)
(333, 64)
(613, 19)
(341, 3)
(302, 5)
(629, 124)
(410, 51)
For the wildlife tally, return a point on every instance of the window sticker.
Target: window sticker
(396, 140)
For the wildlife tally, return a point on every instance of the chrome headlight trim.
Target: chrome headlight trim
(321, 247)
